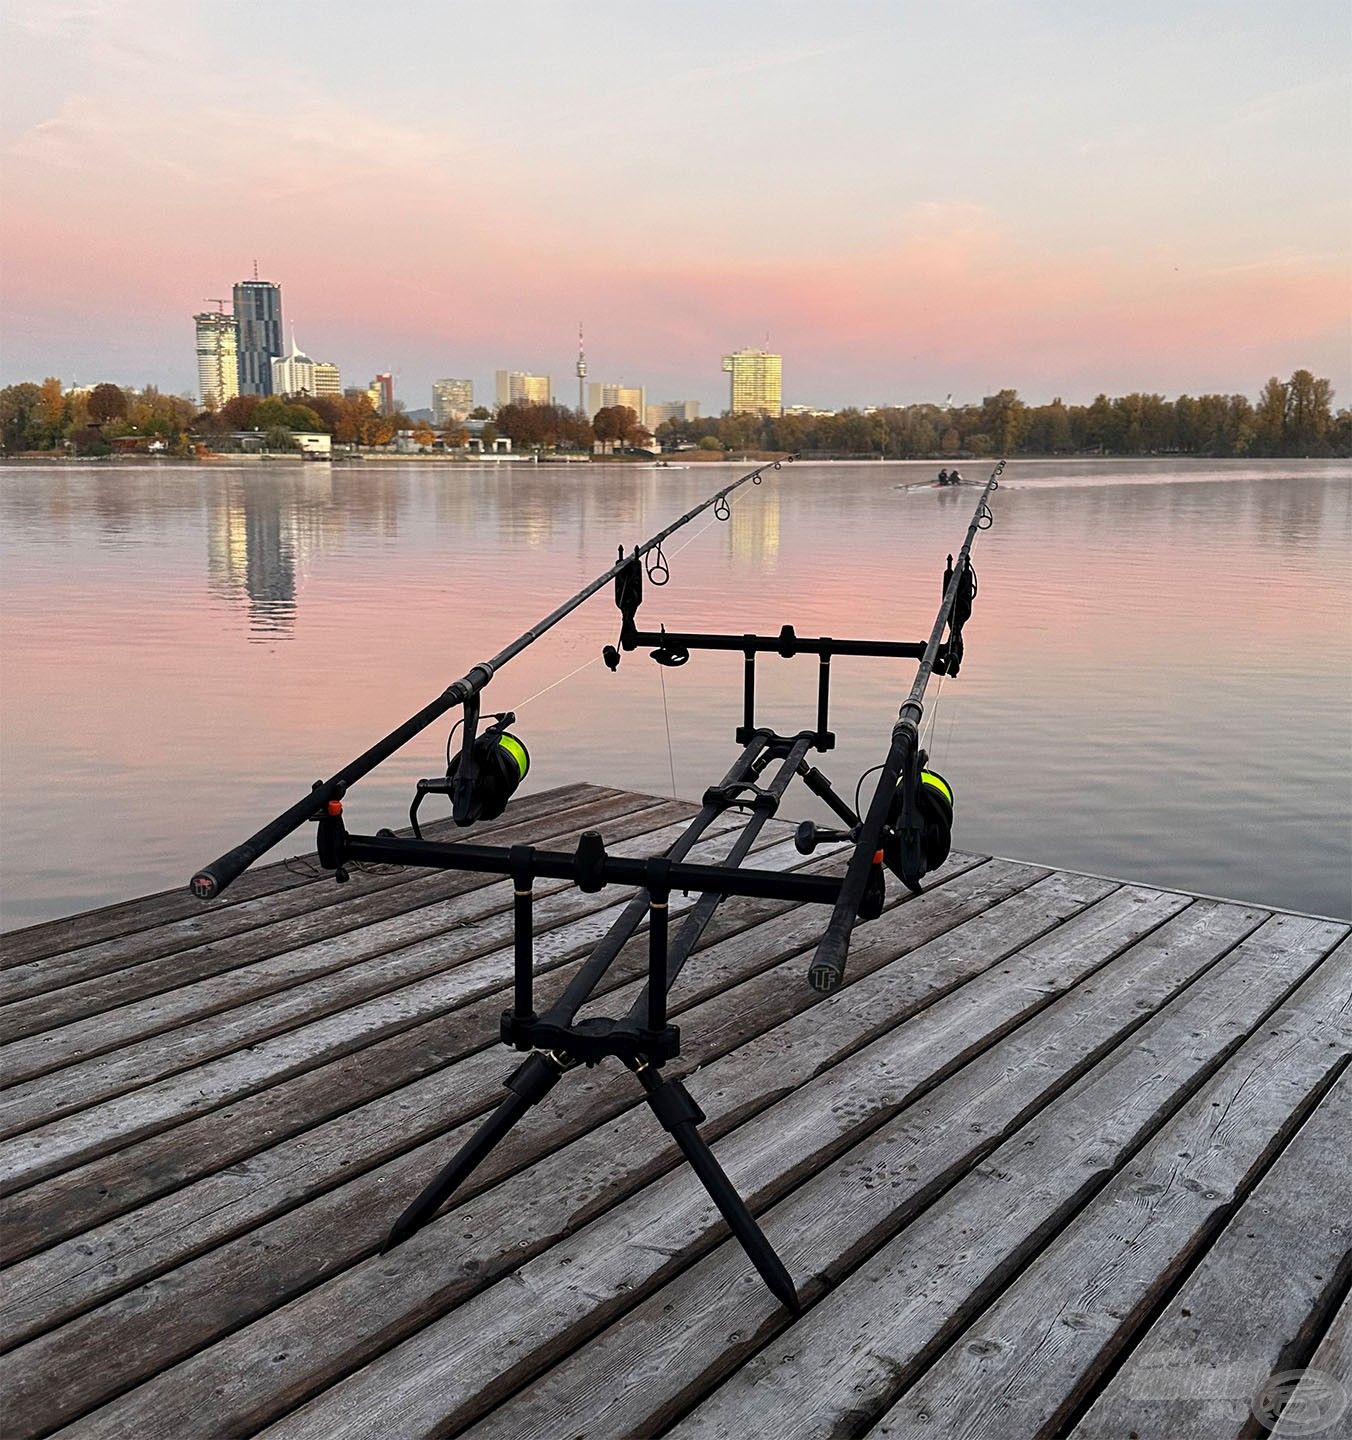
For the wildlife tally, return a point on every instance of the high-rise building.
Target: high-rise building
(517, 387)
(451, 400)
(258, 319)
(293, 374)
(756, 382)
(670, 410)
(217, 358)
(328, 379)
(601, 396)
(382, 393)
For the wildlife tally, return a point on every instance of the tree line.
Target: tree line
(93, 421)
(1292, 417)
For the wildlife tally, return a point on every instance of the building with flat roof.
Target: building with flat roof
(258, 319)
(217, 358)
(328, 380)
(601, 395)
(756, 386)
(452, 400)
(382, 393)
(518, 387)
(665, 410)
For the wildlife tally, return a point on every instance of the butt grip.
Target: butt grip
(211, 879)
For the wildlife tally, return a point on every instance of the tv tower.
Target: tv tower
(581, 372)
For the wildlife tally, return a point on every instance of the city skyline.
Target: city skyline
(1004, 217)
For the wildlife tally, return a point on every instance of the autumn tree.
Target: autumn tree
(358, 421)
(612, 423)
(107, 402)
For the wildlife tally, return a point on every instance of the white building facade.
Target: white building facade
(293, 374)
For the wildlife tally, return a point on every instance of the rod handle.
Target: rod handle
(211, 879)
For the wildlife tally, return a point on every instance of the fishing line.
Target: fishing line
(952, 725)
(934, 713)
(553, 684)
(666, 717)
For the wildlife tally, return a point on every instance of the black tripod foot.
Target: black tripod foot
(672, 1104)
(527, 1085)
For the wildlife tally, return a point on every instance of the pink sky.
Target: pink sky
(914, 204)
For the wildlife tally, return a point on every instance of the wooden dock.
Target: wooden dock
(1064, 1155)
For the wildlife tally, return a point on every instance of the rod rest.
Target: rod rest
(735, 797)
(593, 1040)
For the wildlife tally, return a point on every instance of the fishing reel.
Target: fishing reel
(482, 776)
(916, 837)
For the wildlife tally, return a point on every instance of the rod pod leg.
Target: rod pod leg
(673, 1105)
(527, 1085)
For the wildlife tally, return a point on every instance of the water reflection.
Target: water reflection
(753, 533)
(251, 554)
(1158, 685)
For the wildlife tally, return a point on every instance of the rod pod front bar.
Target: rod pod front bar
(901, 763)
(212, 879)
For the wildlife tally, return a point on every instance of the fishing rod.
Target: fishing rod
(906, 829)
(212, 879)
(907, 801)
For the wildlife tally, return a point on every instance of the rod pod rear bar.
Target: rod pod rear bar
(212, 879)
(828, 962)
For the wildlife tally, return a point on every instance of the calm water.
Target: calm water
(1158, 680)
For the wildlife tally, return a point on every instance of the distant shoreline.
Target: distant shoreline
(677, 460)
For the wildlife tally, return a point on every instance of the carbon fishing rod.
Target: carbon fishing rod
(896, 819)
(212, 879)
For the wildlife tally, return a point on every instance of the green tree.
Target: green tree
(1270, 418)
(19, 408)
(1309, 404)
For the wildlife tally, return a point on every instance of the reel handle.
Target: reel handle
(809, 835)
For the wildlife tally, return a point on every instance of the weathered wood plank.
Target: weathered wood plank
(109, 1101)
(151, 962)
(436, 958)
(72, 932)
(54, 1209)
(624, 1252)
(485, 909)
(654, 1362)
(165, 1319)
(68, 1278)
(1037, 1351)
(1258, 1302)
(840, 1367)
(706, 976)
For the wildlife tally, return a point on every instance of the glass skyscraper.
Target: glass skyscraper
(258, 318)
